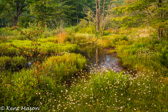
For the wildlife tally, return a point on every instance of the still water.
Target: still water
(98, 58)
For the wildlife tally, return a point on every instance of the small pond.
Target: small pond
(98, 58)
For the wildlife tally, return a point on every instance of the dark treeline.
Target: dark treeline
(103, 13)
(50, 12)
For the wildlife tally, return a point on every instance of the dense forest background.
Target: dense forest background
(49, 12)
(115, 13)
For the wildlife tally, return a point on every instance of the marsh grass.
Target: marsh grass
(52, 84)
(145, 54)
(116, 92)
(29, 85)
(109, 91)
(21, 47)
(61, 68)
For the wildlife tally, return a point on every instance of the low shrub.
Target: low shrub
(4, 63)
(34, 86)
(106, 33)
(21, 90)
(87, 29)
(62, 37)
(18, 62)
(104, 43)
(83, 38)
(5, 32)
(13, 64)
(49, 39)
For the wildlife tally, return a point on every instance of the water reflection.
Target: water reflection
(98, 58)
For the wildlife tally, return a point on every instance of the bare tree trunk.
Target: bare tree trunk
(103, 8)
(103, 20)
(15, 21)
(160, 33)
(19, 8)
(99, 16)
(17, 14)
(97, 26)
(77, 19)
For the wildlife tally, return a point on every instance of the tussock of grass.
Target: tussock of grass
(30, 86)
(63, 67)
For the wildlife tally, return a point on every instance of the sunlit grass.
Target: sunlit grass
(116, 92)
(58, 83)
(19, 47)
(30, 86)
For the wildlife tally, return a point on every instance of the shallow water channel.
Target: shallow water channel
(98, 59)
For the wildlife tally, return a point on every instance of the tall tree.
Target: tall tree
(14, 8)
(42, 10)
(141, 12)
(103, 17)
(97, 2)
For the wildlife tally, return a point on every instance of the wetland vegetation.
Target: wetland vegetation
(84, 55)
